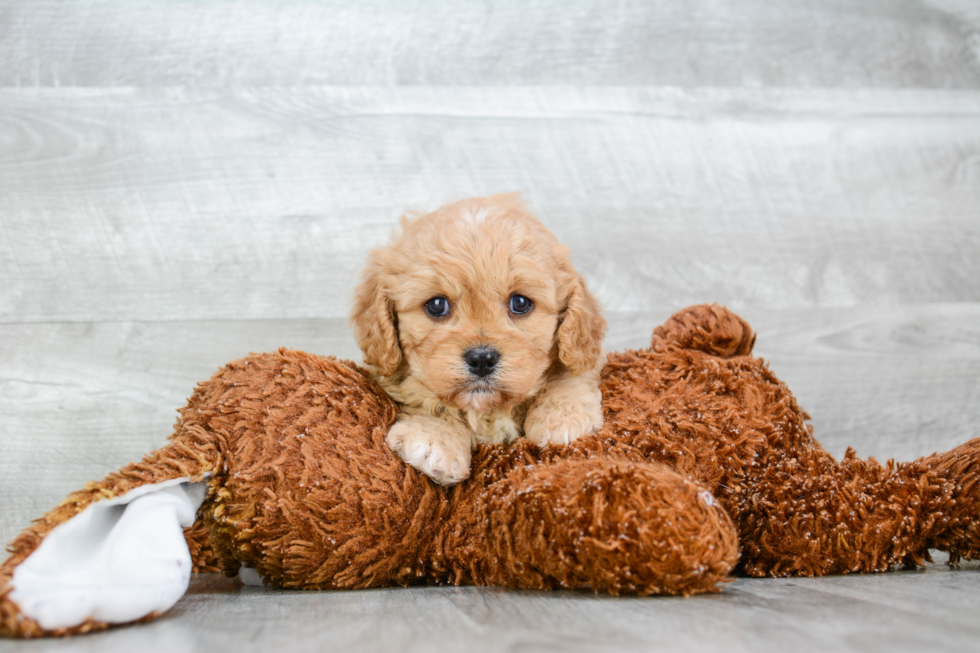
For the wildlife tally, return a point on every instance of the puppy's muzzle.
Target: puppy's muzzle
(481, 360)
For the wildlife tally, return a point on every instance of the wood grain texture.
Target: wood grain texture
(262, 203)
(814, 43)
(926, 610)
(81, 400)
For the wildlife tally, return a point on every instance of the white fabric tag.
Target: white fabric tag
(116, 561)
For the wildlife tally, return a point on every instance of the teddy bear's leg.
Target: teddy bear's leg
(957, 531)
(612, 526)
(803, 513)
(112, 553)
(799, 511)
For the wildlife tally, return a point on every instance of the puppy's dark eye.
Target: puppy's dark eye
(437, 307)
(519, 304)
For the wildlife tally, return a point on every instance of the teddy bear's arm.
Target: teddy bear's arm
(608, 525)
(191, 456)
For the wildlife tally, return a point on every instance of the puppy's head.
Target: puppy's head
(473, 304)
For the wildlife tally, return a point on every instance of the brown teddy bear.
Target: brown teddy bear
(705, 466)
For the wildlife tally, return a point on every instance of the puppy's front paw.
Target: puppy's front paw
(438, 452)
(561, 419)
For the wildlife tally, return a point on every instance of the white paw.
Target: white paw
(442, 456)
(557, 420)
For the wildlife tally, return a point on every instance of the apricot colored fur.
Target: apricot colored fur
(704, 452)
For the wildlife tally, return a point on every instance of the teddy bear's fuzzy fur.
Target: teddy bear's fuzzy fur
(705, 466)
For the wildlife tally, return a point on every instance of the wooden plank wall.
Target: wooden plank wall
(183, 182)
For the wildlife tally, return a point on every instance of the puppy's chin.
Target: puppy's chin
(480, 397)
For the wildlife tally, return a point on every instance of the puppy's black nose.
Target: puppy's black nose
(481, 360)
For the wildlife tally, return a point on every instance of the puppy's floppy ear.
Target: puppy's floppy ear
(374, 320)
(581, 328)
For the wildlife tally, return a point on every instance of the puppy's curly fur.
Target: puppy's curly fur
(474, 320)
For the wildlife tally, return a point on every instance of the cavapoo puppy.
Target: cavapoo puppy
(475, 323)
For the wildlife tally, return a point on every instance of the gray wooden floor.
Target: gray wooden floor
(926, 610)
(183, 182)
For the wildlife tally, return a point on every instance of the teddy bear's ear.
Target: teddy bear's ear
(581, 328)
(374, 320)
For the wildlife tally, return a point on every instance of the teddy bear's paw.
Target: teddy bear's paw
(432, 447)
(562, 419)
